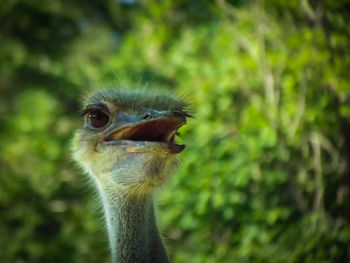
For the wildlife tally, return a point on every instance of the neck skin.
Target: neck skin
(132, 229)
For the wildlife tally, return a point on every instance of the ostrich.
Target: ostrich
(127, 145)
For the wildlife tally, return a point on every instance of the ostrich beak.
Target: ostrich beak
(161, 131)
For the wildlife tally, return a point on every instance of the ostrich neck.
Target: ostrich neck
(132, 229)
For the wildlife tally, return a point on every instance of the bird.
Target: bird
(127, 146)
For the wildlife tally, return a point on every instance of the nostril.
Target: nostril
(147, 116)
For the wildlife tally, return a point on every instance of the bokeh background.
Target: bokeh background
(265, 176)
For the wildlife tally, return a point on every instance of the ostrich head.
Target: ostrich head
(127, 142)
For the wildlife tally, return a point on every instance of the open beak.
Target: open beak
(161, 131)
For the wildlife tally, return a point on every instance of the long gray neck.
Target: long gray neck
(132, 229)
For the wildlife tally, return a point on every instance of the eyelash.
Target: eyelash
(84, 112)
(95, 108)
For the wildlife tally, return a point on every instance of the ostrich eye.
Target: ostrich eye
(97, 119)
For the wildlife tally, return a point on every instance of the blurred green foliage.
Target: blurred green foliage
(265, 177)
